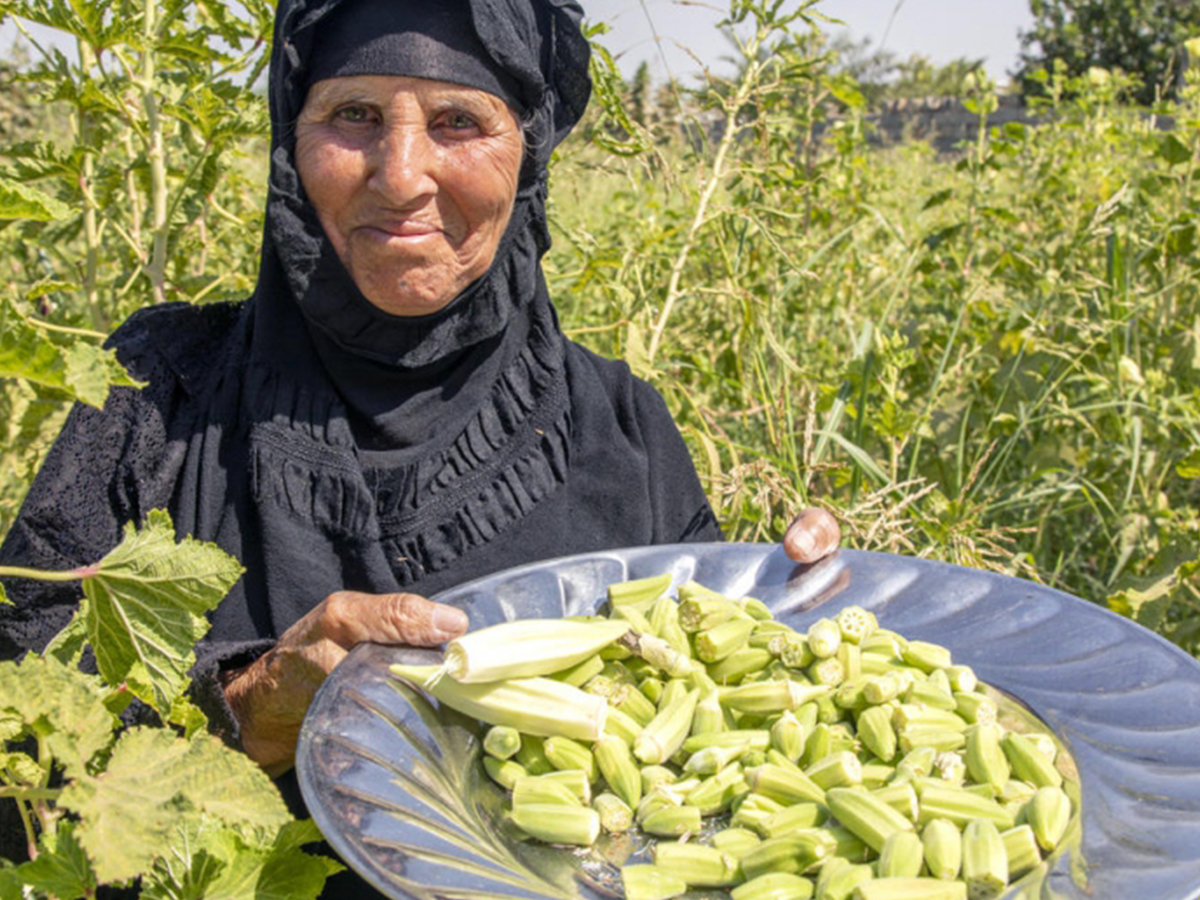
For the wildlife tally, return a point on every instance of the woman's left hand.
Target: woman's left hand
(813, 535)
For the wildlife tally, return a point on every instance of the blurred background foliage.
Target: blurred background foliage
(989, 356)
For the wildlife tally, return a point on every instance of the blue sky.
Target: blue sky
(941, 29)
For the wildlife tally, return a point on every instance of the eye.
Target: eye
(354, 113)
(459, 121)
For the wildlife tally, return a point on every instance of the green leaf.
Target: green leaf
(26, 352)
(149, 597)
(61, 868)
(92, 370)
(67, 646)
(156, 782)
(939, 198)
(187, 716)
(1189, 466)
(4, 601)
(19, 201)
(22, 768)
(62, 705)
(1173, 150)
(10, 884)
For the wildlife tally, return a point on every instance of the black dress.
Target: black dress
(329, 446)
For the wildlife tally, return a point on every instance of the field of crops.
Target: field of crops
(989, 357)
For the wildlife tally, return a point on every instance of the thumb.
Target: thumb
(392, 619)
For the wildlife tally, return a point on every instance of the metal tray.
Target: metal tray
(397, 787)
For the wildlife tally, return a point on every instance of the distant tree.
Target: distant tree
(1143, 38)
(639, 93)
(882, 76)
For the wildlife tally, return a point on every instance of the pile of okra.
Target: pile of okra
(847, 763)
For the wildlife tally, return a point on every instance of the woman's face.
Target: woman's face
(413, 181)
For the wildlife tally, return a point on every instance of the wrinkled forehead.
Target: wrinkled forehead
(535, 50)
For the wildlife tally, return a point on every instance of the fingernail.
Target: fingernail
(449, 621)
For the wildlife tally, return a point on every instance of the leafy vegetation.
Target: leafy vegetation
(991, 358)
(1143, 39)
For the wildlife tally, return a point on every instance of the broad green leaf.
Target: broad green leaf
(156, 782)
(26, 352)
(149, 597)
(62, 705)
(11, 725)
(22, 768)
(10, 885)
(281, 870)
(1173, 150)
(19, 201)
(92, 370)
(187, 716)
(61, 868)
(67, 646)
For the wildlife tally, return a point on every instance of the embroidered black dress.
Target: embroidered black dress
(328, 445)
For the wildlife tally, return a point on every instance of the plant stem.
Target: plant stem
(156, 154)
(39, 575)
(87, 174)
(746, 88)
(26, 793)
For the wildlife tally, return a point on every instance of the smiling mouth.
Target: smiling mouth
(401, 230)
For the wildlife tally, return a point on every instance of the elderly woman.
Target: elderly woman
(395, 410)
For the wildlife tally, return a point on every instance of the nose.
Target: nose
(403, 165)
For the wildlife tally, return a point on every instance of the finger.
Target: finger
(812, 535)
(352, 618)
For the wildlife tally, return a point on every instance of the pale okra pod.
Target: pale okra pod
(866, 816)
(984, 862)
(667, 731)
(501, 741)
(942, 843)
(558, 824)
(774, 886)
(647, 882)
(547, 646)
(696, 864)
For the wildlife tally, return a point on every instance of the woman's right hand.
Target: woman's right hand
(271, 695)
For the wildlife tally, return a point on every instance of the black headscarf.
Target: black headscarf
(331, 446)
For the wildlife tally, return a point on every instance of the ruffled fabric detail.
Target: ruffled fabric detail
(511, 454)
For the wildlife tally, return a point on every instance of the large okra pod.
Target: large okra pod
(943, 801)
(868, 817)
(1029, 763)
(910, 889)
(558, 824)
(941, 840)
(985, 758)
(774, 886)
(985, 862)
(770, 696)
(784, 785)
(696, 864)
(537, 706)
(617, 766)
(672, 821)
(1048, 813)
(667, 731)
(646, 882)
(565, 753)
(839, 878)
(718, 642)
(901, 856)
(1021, 848)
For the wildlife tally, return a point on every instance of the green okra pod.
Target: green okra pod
(647, 882)
(941, 840)
(696, 864)
(866, 816)
(557, 823)
(1021, 848)
(667, 731)
(901, 856)
(984, 860)
(1028, 762)
(1048, 814)
(672, 821)
(615, 814)
(774, 886)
